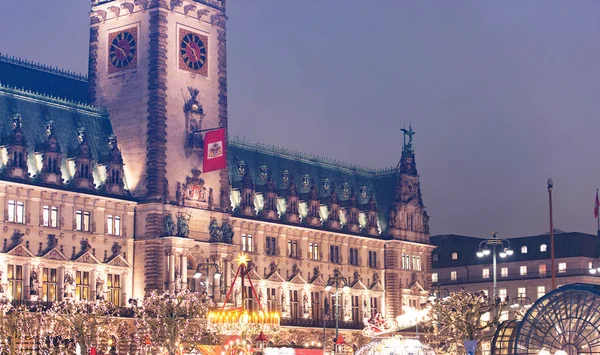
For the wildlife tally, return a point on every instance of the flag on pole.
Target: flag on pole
(214, 150)
(596, 205)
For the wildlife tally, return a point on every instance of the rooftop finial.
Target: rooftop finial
(410, 133)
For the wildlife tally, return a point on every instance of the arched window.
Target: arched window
(454, 256)
(523, 250)
(543, 247)
(435, 257)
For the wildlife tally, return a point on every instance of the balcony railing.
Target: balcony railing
(318, 323)
(530, 276)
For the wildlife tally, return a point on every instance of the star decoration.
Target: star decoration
(243, 259)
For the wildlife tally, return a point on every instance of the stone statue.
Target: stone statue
(116, 249)
(85, 245)
(169, 225)
(215, 232)
(283, 302)
(227, 231)
(69, 285)
(182, 226)
(410, 133)
(99, 288)
(52, 241)
(375, 278)
(356, 276)
(177, 280)
(34, 283)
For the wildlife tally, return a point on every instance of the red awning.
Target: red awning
(340, 340)
(261, 337)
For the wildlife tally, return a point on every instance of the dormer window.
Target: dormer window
(454, 256)
(523, 250)
(436, 257)
(543, 247)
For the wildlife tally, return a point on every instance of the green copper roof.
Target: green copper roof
(327, 174)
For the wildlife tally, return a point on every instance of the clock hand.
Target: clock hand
(194, 53)
(120, 49)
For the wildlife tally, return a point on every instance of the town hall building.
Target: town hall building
(103, 193)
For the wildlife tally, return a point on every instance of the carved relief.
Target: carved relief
(194, 188)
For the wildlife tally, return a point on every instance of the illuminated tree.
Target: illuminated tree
(462, 316)
(17, 335)
(88, 323)
(170, 320)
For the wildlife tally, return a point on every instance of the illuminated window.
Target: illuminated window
(293, 248)
(113, 225)
(541, 291)
(542, 269)
(82, 282)
(523, 250)
(502, 294)
(313, 251)
(521, 292)
(16, 211)
(434, 277)
(247, 242)
(50, 216)
(543, 247)
(454, 256)
(503, 316)
(82, 220)
(562, 267)
(417, 263)
(485, 348)
(114, 289)
(49, 285)
(453, 275)
(504, 272)
(486, 292)
(15, 282)
(485, 273)
(523, 270)
(435, 257)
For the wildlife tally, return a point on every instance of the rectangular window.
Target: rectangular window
(486, 292)
(293, 248)
(250, 304)
(82, 282)
(453, 275)
(294, 309)
(502, 294)
(191, 284)
(372, 259)
(504, 272)
(355, 305)
(523, 270)
(117, 225)
(15, 282)
(434, 277)
(271, 246)
(50, 216)
(113, 225)
(541, 291)
(271, 300)
(374, 306)
(485, 348)
(82, 221)
(313, 251)
(407, 259)
(49, 285)
(542, 270)
(16, 211)
(416, 262)
(315, 298)
(562, 267)
(247, 243)
(334, 254)
(503, 316)
(485, 273)
(521, 292)
(354, 256)
(114, 289)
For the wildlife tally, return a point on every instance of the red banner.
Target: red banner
(214, 151)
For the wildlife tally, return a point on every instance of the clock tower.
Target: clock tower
(159, 67)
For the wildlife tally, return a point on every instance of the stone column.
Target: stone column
(227, 275)
(26, 281)
(172, 270)
(93, 276)
(184, 270)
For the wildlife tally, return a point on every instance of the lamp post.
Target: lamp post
(550, 186)
(205, 266)
(338, 280)
(494, 243)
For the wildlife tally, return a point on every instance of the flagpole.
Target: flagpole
(552, 262)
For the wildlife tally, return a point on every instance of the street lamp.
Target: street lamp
(338, 280)
(494, 243)
(205, 266)
(594, 269)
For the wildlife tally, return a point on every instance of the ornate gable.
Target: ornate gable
(358, 285)
(298, 279)
(20, 250)
(254, 275)
(416, 288)
(318, 281)
(87, 258)
(275, 277)
(118, 260)
(55, 254)
(376, 287)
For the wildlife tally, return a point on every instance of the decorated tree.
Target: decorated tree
(87, 323)
(171, 319)
(18, 336)
(460, 317)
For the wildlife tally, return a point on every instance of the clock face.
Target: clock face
(122, 50)
(193, 52)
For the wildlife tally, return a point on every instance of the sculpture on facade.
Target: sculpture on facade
(99, 288)
(69, 285)
(227, 231)
(182, 225)
(116, 249)
(169, 225)
(215, 232)
(34, 283)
